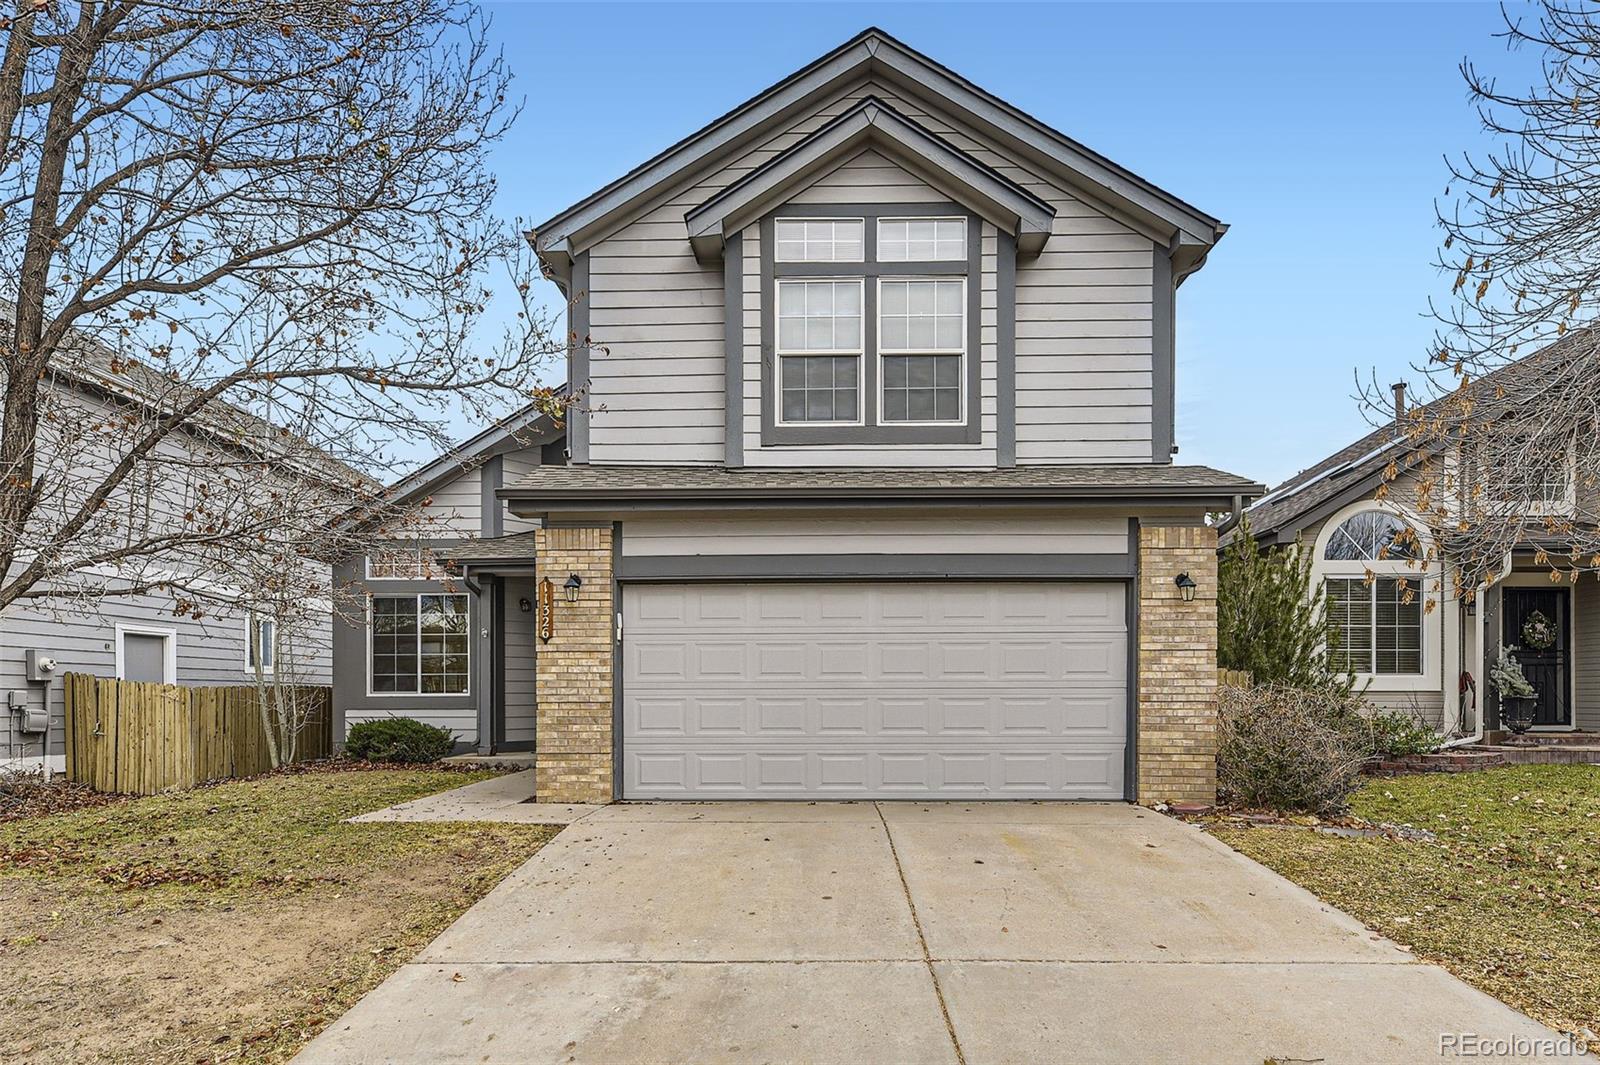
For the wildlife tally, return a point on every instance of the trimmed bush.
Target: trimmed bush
(1291, 749)
(398, 739)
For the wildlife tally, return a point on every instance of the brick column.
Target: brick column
(572, 759)
(1177, 665)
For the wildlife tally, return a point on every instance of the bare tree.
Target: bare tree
(1505, 454)
(249, 256)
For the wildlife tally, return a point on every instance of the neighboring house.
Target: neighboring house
(417, 637)
(870, 490)
(1410, 640)
(143, 637)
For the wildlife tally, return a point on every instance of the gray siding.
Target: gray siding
(1084, 366)
(820, 534)
(352, 703)
(1428, 705)
(521, 645)
(209, 650)
(454, 508)
(1586, 652)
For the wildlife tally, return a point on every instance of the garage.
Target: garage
(875, 690)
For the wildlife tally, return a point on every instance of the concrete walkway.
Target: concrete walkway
(859, 932)
(503, 799)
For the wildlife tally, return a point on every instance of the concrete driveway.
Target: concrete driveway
(856, 932)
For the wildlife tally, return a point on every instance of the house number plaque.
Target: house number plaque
(547, 610)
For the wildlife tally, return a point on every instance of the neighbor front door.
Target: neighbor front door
(1546, 667)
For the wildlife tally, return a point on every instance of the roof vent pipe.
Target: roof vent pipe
(1399, 404)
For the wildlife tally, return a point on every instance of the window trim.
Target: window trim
(963, 352)
(859, 353)
(441, 570)
(1421, 575)
(169, 658)
(250, 620)
(826, 262)
(1370, 589)
(419, 693)
(872, 431)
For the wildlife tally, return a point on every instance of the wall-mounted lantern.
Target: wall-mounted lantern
(573, 586)
(525, 605)
(1186, 587)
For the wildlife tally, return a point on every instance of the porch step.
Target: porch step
(1542, 753)
(1499, 738)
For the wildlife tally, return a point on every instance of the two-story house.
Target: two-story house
(869, 487)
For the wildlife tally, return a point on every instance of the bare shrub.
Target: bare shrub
(1284, 748)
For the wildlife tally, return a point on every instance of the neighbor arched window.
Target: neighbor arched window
(1373, 585)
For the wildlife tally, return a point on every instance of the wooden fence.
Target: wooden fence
(1233, 678)
(135, 738)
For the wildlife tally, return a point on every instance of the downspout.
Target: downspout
(1477, 722)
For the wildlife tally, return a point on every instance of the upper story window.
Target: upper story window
(407, 562)
(871, 327)
(927, 240)
(820, 348)
(819, 240)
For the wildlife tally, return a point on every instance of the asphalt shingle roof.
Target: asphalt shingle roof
(1068, 481)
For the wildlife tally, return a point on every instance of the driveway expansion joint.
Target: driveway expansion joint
(927, 959)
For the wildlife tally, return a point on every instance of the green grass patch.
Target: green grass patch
(1507, 897)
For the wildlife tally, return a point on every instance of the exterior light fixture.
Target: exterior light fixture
(1186, 587)
(525, 605)
(573, 586)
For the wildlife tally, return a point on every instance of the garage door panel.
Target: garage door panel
(861, 690)
(774, 774)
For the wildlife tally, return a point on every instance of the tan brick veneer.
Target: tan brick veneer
(1177, 665)
(573, 758)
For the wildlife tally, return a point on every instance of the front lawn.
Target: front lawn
(1507, 898)
(231, 921)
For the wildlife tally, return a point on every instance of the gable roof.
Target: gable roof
(1190, 231)
(1357, 468)
(872, 122)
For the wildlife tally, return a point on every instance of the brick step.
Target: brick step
(1499, 737)
(1461, 760)
(1554, 754)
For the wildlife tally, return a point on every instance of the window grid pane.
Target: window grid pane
(820, 388)
(442, 628)
(819, 240)
(819, 316)
(1397, 638)
(1349, 605)
(922, 316)
(420, 644)
(910, 240)
(921, 388)
(394, 644)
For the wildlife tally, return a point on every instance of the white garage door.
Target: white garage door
(891, 690)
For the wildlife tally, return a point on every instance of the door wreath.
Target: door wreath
(1539, 632)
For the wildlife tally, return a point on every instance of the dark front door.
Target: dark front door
(1545, 667)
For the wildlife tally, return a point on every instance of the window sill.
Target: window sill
(872, 435)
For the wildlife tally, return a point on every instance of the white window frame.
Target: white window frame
(877, 237)
(961, 380)
(780, 352)
(419, 693)
(1566, 506)
(1421, 574)
(777, 240)
(251, 619)
(169, 658)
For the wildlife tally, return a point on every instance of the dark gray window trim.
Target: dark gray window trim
(578, 360)
(733, 339)
(871, 432)
(1005, 351)
(874, 567)
(1163, 358)
(1130, 770)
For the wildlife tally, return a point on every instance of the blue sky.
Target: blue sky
(1317, 131)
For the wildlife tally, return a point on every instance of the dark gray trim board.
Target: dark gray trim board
(871, 431)
(873, 53)
(873, 567)
(578, 360)
(482, 638)
(1163, 359)
(1130, 754)
(1005, 351)
(733, 339)
(491, 513)
(617, 636)
(870, 123)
